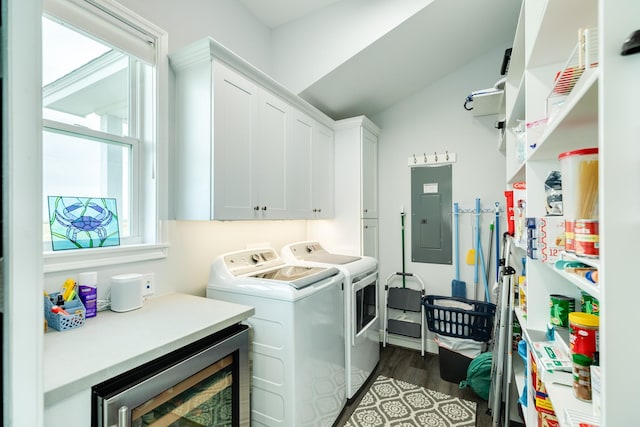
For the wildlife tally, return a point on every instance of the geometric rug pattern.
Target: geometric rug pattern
(391, 402)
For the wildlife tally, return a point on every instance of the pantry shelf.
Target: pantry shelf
(576, 124)
(561, 397)
(518, 174)
(593, 262)
(557, 383)
(582, 283)
(522, 317)
(519, 373)
(592, 113)
(555, 35)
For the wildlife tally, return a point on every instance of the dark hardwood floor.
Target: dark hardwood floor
(407, 365)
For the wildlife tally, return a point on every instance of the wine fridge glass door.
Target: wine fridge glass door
(203, 384)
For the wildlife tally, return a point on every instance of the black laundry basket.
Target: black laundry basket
(446, 317)
(458, 318)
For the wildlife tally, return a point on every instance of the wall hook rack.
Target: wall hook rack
(431, 159)
(482, 211)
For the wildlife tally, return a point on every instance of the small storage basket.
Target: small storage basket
(63, 322)
(459, 317)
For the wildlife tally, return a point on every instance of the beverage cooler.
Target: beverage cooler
(205, 383)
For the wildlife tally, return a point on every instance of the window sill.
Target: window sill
(100, 257)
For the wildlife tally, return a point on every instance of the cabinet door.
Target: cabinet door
(322, 177)
(369, 174)
(299, 142)
(269, 158)
(235, 100)
(370, 237)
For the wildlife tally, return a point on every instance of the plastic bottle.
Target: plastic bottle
(89, 292)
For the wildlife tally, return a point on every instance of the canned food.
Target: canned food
(590, 305)
(560, 306)
(586, 238)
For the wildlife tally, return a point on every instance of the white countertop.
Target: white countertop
(112, 343)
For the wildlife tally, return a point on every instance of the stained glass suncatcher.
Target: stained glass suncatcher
(83, 222)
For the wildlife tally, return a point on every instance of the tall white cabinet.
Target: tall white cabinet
(354, 229)
(601, 112)
(246, 147)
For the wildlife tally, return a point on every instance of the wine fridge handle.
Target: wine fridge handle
(123, 417)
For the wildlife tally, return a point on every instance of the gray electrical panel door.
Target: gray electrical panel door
(431, 214)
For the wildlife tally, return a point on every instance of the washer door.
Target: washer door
(364, 306)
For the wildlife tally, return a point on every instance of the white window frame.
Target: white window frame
(151, 187)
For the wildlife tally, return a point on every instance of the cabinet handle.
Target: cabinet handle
(123, 416)
(319, 210)
(366, 210)
(256, 208)
(264, 208)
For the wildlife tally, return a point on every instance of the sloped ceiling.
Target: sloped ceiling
(274, 13)
(437, 40)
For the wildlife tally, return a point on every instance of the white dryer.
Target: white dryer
(297, 350)
(362, 319)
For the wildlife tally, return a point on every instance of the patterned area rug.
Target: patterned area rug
(391, 402)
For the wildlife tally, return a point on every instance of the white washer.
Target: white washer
(298, 355)
(362, 337)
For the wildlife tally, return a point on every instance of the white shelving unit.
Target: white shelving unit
(595, 114)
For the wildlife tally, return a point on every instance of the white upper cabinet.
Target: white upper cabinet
(299, 143)
(268, 158)
(354, 229)
(234, 130)
(245, 146)
(322, 172)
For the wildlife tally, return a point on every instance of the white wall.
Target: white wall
(434, 120)
(193, 245)
(308, 48)
(227, 21)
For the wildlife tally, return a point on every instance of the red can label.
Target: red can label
(569, 236)
(587, 240)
